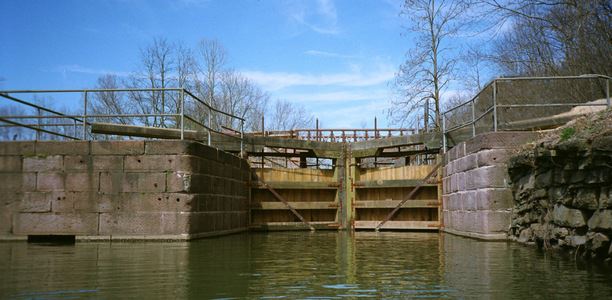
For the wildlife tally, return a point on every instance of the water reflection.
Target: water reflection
(296, 265)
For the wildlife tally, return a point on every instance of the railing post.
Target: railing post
(209, 125)
(473, 119)
(182, 101)
(38, 122)
(608, 92)
(241, 137)
(495, 105)
(85, 115)
(443, 133)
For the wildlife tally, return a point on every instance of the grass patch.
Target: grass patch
(567, 133)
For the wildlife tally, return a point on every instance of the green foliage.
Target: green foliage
(567, 133)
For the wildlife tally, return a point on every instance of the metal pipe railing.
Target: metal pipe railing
(496, 105)
(85, 118)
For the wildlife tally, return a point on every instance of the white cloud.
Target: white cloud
(329, 54)
(351, 116)
(280, 80)
(337, 96)
(85, 70)
(322, 19)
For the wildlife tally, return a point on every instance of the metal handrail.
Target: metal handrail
(495, 105)
(82, 118)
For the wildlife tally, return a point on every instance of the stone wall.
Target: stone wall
(563, 194)
(477, 199)
(121, 190)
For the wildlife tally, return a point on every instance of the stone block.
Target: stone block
(55, 223)
(487, 177)
(50, 182)
(111, 182)
(469, 200)
(144, 182)
(77, 162)
(461, 181)
(117, 147)
(494, 221)
(10, 163)
(586, 198)
(467, 163)
(493, 157)
(17, 182)
(52, 163)
(92, 202)
(186, 163)
(63, 202)
(144, 223)
(494, 199)
(500, 140)
(568, 217)
(174, 147)
(35, 202)
(62, 148)
(7, 210)
(82, 181)
(179, 182)
(17, 148)
(601, 220)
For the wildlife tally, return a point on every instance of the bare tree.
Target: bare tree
(551, 37)
(288, 116)
(428, 66)
(157, 65)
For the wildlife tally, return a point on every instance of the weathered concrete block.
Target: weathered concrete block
(77, 162)
(568, 217)
(17, 182)
(50, 182)
(487, 177)
(87, 162)
(493, 157)
(111, 182)
(467, 163)
(82, 181)
(499, 140)
(461, 181)
(91, 202)
(117, 147)
(144, 223)
(144, 182)
(7, 210)
(62, 148)
(186, 163)
(17, 148)
(35, 202)
(54, 223)
(10, 163)
(494, 199)
(601, 220)
(179, 182)
(494, 221)
(470, 200)
(43, 164)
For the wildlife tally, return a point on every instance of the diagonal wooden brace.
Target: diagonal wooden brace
(412, 193)
(281, 199)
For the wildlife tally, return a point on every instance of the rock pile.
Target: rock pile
(562, 188)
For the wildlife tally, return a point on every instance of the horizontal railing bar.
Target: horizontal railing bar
(45, 125)
(552, 104)
(38, 129)
(210, 107)
(91, 90)
(585, 76)
(36, 106)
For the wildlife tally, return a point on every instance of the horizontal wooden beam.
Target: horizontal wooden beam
(398, 183)
(399, 225)
(432, 203)
(280, 226)
(295, 205)
(297, 185)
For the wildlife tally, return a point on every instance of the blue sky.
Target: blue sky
(334, 57)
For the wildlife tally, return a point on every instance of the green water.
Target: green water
(294, 265)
